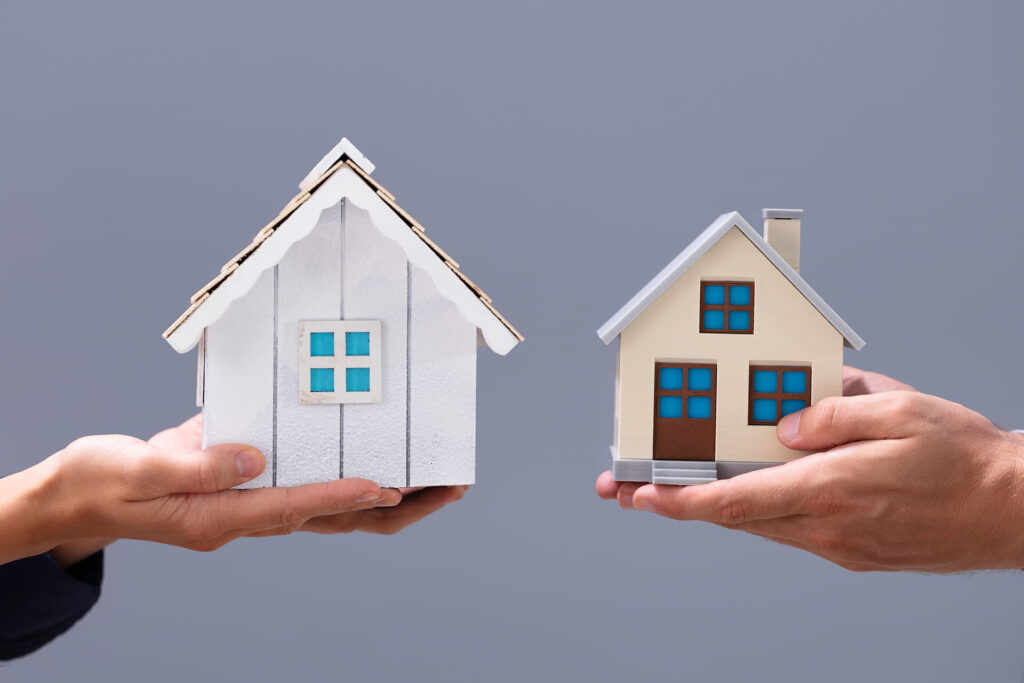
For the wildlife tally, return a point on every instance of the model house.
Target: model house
(716, 349)
(342, 341)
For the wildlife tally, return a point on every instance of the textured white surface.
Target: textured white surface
(442, 383)
(343, 184)
(308, 288)
(238, 406)
(697, 248)
(374, 287)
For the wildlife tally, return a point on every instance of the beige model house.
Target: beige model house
(716, 349)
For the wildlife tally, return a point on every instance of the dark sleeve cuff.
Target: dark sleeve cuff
(39, 600)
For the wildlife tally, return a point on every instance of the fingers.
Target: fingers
(260, 509)
(414, 508)
(857, 382)
(833, 421)
(789, 489)
(160, 472)
(607, 487)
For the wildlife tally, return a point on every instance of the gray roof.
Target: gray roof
(697, 248)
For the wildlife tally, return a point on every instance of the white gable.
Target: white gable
(343, 184)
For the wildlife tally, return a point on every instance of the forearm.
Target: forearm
(29, 515)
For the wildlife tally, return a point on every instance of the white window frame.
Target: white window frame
(339, 362)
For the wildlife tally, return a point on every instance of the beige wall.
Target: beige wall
(787, 329)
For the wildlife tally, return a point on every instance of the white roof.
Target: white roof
(338, 176)
(697, 248)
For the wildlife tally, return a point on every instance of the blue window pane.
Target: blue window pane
(765, 381)
(321, 379)
(698, 407)
(714, 294)
(670, 406)
(739, 320)
(699, 379)
(739, 295)
(357, 343)
(357, 379)
(671, 378)
(321, 343)
(764, 410)
(791, 405)
(714, 320)
(794, 382)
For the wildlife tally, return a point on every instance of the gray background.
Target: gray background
(563, 153)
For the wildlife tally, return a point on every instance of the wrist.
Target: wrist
(32, 516)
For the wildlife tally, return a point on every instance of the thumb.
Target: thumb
(207, 471)
(834, 421)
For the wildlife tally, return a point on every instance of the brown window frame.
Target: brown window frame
(726, 307)
(778, 395)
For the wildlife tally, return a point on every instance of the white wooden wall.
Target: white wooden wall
(238, 403)
(442, 383)
(423, 431)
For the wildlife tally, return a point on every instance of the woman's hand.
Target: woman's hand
(167, 490)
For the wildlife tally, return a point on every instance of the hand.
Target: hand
(166, 490)
(905, 481)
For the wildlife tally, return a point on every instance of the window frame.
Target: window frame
(778, 395)
(726, 307)
(685, 393)
(339, 362)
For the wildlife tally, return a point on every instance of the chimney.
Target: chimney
(782, 233)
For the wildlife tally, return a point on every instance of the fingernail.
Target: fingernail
(626, 501)
(642, 504)
(369, 496)
(389, 498)
(248, 462)
(789, 426)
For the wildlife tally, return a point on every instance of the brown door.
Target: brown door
(684, 411)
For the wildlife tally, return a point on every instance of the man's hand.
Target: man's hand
(904, 481)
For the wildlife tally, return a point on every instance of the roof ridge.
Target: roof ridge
(298, 200)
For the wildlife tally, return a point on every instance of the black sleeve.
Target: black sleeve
(39, 600)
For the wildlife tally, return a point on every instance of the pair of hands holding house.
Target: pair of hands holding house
(900, 481)
(101, 488)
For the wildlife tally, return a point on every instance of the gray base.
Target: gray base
(680, 472)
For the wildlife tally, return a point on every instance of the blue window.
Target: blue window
(357, 343)
(764, 410)
(321, 343)
(727, 307)
(714, 320)
(670, 406)
(671, 378)
(698, 407)
(777, 391)
(714, 295)
(698, 379)
(357, 379)
(739, 295)
(739, 321)
(766, 381)
(794, 381)
(321, 379)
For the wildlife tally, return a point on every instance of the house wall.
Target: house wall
(787, 329)
(421, 433)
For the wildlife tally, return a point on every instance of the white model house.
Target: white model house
(723, 343)
(342, 341)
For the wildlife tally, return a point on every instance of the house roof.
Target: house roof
(343, 174)
(697, 248)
